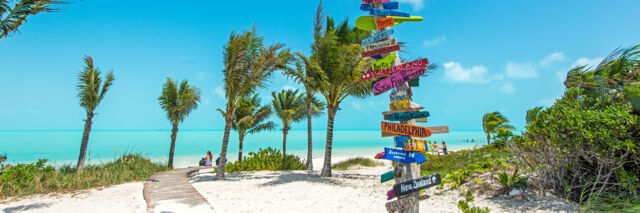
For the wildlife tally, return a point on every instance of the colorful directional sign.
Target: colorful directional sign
(433, 130)
(381, 51)
(386, 177)
(377, 37)
(403, 156)
(387, 12)
(381, 44)
(416, 184)
(414, 83)
(404, 110)
(401, 204)
(405, 129)
(390, 194)
(402, 67)
(398, 105)
(385, 62)
(384, 22)
(413, 145)
(405, 116)
(369, 23)
(385, 5)
(374, 1)
(397, 79)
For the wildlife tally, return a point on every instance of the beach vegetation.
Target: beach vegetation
(494, 122)
(14, 13)
(177, 102)
(251, 118)
(314, 107)
(511, 181)
(267, 159)
(91, 91)
(353, 162)
(466, 205)
(247, 66)
(336, 55)
(289, 107)
(586, 147)
(38, 177)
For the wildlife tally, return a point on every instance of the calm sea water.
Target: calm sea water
(62, 147)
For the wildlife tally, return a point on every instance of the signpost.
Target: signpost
(402, 67)
(368, 22)
(381, 51)
(410, 144)
(403, 156)
(405, 116)
(386, 177)
(405, 129)
(397, 79)
(377, 37)
(381, 44)
(387, 12)
(385, 5)
(398, 105)
(385, 22)
(416, 184)
(433, 130)
(403, 110)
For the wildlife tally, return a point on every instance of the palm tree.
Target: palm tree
(178, 103)
(532, 114)
(12, 18)
(247, 65)
(494, 122)
(314, 107)
(335, 54)
(90, 95)
(289, 107)
(250, 118)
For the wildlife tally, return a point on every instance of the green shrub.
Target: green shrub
(516, 180)
(27, 179)
(351, 162)
(266, 159)
(466, 207)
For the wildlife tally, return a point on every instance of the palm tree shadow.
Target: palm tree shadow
(291, 177)
(22, 208)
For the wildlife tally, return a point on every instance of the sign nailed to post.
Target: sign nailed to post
(385, 22)
(381, 44)
(398, 105)
(405, 129)
(403, 156)
(374, 1)
(385, 5)
(380, 51)
(394, 69)
(416, 184)
(397, 79)
(377, 37)
(385, 62)
(405, 116)
(386, 12)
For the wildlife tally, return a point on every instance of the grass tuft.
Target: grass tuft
(351, 162)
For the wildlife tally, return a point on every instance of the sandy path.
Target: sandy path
(119, 198)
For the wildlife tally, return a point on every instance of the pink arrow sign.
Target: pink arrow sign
(377, 73)
(374, 1)
(397, 79)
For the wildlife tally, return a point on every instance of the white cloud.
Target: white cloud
(508, 88)
(551, 58)
(219, 91)
(205, 101)
(521, 70)
(434, 42)
(455, 72)
(417, 4)
(589, 62)
(287, 87)
(547, 102)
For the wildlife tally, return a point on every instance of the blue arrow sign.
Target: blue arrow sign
(405, 116)
(403, 156)
(385, 5)
(387, 12)
(377, 37)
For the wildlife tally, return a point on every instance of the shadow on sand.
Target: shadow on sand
(284, 177)
(25, 207)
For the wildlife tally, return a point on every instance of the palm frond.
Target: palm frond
(12, 18)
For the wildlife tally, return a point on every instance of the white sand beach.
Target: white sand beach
(357, 190)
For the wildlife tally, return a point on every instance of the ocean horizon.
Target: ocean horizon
(61, 147)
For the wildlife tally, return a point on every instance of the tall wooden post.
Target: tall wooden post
(402, 171)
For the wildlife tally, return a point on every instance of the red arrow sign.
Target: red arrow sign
(381, 51)
(406, 66)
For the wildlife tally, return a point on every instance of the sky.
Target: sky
(499, 55)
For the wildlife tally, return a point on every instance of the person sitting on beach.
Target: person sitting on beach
(208, 159)
(436, 148)
(218, 161)
(444, 148)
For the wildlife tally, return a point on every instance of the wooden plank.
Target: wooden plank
(368, 22)
(385, 5)
(422, 120)
(384, 22)
(386, 177)
(405, 129)
(397, 79)
(416, 185)
(387, 12)
(403, 156)
(433, 130)
(385, 62)
(377, 37)
(401, 204)
(402, 67)
(381, 44)
(381, 51)
(404, 110)
(398, 105)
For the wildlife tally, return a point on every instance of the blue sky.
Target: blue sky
(500, 55)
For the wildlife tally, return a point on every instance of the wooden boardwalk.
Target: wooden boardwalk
(170, 191)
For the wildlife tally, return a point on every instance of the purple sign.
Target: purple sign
(396, 79)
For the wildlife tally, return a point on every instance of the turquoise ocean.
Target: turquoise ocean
(62, 147)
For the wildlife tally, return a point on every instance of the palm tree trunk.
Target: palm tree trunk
(284, 141)
(174, 134)
(241, 139)
(309, 138)
(488, 139)
(85, 141)
(225, 143)
(326, 168)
